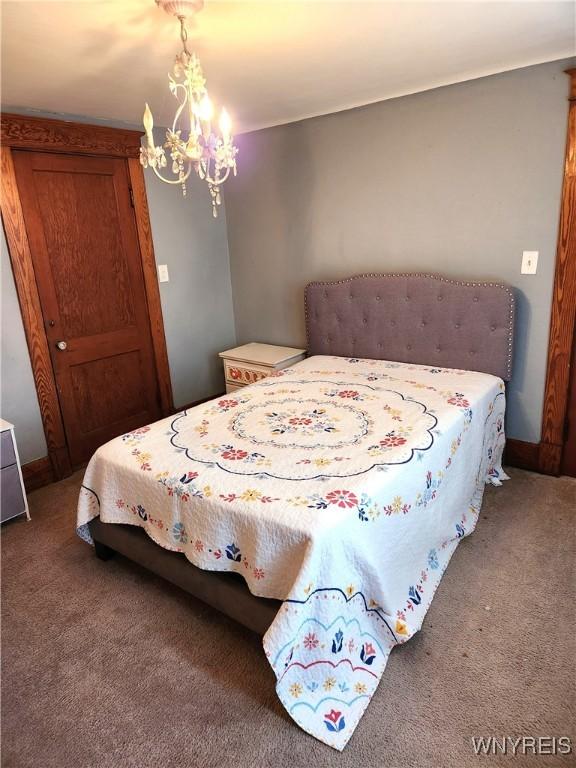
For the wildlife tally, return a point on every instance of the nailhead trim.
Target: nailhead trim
(422, 275)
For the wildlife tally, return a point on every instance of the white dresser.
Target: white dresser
(13, 500)
(252, 362)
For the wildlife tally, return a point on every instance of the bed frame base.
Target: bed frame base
(102, 551)
(227, 592)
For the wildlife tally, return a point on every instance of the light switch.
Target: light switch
(529, 262)
(163, 276)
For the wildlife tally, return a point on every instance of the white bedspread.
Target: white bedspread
(339, 486)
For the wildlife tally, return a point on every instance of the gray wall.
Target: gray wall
(458, 180)
(196, 304)
(19, 403)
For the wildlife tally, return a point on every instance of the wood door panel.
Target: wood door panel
(103, 345)
(109, 390)
(81, 220)
(88, 269)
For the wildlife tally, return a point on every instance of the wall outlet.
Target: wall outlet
(529, 262)
(163, 276)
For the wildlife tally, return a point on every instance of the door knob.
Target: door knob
(61, 345)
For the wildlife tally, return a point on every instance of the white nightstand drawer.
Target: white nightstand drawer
(7, 453)
(13, 500)
(237, 373)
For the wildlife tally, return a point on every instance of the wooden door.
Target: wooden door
(84, 247)
(569, 451)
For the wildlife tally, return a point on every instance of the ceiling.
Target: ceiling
(268, 62)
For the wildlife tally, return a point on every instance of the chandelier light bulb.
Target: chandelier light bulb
(225, 124)
(206, 109)
(148, 121)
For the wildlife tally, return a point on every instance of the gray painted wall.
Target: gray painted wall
(458, 180)
(196, 304)
(18, 400)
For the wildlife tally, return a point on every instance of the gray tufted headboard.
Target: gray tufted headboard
(413, 318)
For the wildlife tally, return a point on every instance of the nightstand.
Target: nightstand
(13, 500)
(252, 362)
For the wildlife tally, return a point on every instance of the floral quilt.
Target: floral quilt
(339, 486)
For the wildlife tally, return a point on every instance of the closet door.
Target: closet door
(82, 234)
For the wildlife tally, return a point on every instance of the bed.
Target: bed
(321, 505)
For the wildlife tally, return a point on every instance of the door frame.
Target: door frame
(563, 318)
(47, 135)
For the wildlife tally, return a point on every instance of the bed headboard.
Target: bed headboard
(413, 318)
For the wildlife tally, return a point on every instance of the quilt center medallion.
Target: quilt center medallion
(306, 429)
(304, 424)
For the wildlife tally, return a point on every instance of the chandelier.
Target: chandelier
(192, 142)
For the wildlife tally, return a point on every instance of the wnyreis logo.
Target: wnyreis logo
(522, 745)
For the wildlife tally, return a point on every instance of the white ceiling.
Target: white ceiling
(268, 62)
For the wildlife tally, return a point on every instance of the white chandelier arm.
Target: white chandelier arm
(173, 181)
(182, 103)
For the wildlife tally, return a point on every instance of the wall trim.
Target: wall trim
(522, 455)
(25, 280)
(48, 135)
(144, 231)
(562, 323)
(37, 474)
(34, 133)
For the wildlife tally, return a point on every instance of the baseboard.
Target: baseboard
(522, 455)
(37, 474)
(550, 459)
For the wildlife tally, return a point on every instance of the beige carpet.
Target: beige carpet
(106, 665)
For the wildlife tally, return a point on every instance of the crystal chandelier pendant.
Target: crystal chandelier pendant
(191, 142)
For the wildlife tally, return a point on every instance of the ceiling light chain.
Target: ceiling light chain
(183, 33)
(198, 147)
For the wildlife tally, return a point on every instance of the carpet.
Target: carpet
(107, 666)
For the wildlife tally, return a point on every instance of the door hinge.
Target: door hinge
(131, 196)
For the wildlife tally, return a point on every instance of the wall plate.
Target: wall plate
(529, 262)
